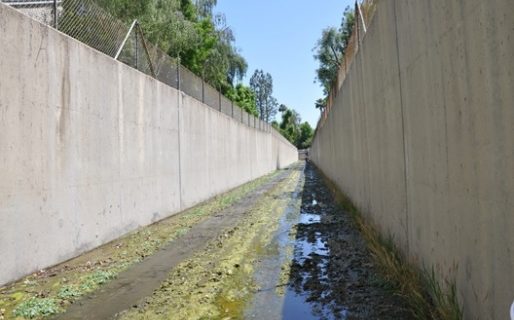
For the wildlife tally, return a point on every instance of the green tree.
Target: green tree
(329, 53)
(188, 30)
(262, 85)
(330, 50)
(244, 97)
(305, 138)
(215, 57)
(169, 24)
(205, 7)
(291, 127)
(128, 10)
(290, 124)
(347, 25)
(320, 104)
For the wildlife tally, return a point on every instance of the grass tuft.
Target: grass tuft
(94, 280)
(445, 297)
(69, 293)
(36, 307)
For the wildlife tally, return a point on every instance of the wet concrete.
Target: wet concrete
(272, 271)
(218, 281)
(292, 253)
(331, 275)
(139, 281)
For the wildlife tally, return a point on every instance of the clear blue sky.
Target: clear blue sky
(278, 36)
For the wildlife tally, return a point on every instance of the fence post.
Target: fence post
(203, 90)
(56, 22)
(219, 96)
(361, 15)
(132, 26)
(232, 105)
(178, 74)
(356, 17)
(145, 47)
(136, 46)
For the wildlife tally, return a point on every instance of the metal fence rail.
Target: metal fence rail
(89, 23)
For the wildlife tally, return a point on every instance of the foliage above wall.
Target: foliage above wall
(330, 50)
(291, 127)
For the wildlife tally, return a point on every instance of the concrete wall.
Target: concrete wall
(421, 138)
(91, 149)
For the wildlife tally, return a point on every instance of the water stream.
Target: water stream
(317, 266)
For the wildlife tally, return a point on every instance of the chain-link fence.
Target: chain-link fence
(89, 23)
(45, 11)
(363, 14)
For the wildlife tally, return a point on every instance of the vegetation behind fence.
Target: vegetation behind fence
(88, 22)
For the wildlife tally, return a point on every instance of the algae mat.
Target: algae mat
(218, 282)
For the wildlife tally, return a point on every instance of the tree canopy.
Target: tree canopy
(204, 43)
(244, 97)
(262, 85)
(190, 31)
(330, 50)
(291, 127)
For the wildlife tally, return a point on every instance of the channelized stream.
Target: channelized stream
(331, 275)
(284, 251)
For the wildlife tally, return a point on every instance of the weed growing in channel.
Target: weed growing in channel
(69, 293)
(96, 279)
(36, 307)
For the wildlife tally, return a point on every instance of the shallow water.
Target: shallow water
(330, 273)
(308, 218)
(297, 256)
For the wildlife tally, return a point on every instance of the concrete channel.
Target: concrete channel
(282, 250)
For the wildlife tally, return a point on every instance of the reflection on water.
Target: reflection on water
(330, 274)
(309, 294)
(305, 249)
(308, 218)
(297, 306)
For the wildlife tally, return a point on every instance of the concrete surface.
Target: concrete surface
(421, 136)
(91, 149)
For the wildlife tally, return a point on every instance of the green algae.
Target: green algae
(218, 282)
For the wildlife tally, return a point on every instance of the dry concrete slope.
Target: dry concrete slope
(91, 148)
(421, 138)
